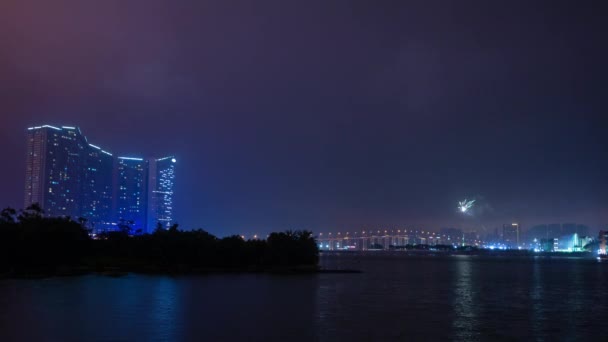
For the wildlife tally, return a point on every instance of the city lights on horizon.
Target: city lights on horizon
(464, 206)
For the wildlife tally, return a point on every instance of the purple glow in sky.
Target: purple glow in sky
(324, 114)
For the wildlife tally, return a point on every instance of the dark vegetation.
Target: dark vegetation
(34, 245)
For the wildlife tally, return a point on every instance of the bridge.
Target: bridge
(389, 239)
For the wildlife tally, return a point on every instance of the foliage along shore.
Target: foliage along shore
(32, 245)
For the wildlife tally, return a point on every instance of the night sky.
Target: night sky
(325, 114)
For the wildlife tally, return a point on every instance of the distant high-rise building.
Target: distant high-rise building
(97, 188)
(67, 176)
(160, 192)
(555, 230)
(510, 235)
(603, 242)
(549, 245)
(54, 169)
(131, 196)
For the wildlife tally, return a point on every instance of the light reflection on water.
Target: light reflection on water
(396, 298)
(464, 304)
(536, 297)
(164, 309)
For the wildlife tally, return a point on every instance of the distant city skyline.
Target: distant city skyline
(68, 176)
(131, 210)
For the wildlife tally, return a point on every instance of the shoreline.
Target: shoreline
(114, 271)
(118, 270)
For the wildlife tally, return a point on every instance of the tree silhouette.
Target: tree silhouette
(8, 216)
(32, 212)
(31, 243)
(125, 226)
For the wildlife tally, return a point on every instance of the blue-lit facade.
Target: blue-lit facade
(161, 187)
(54, 165)
(68, 176)
(97, 188)
(131, 196)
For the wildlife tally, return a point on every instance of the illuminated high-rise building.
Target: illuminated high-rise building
(145, 192)
(131, 194)
(510, 235)
(161, 184)
(160, 192)
(603, 242)
(97, 188)
(54, 169)
(67, 176)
